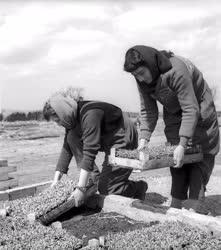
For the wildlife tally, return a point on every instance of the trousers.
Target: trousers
(111, 179)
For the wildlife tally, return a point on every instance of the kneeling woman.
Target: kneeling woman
(92, 127)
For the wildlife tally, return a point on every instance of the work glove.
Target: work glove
(79, 197)
(143, 143)
(178, 156)
(143, 156)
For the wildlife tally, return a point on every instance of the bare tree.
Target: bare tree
(75, 93)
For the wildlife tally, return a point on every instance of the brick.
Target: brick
(31, 218)
(3, 213)
(21, 192)
(102, 241)
(3, 163)
(57, 225)
(4, 196)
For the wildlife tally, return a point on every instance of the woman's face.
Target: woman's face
(143, 74)
(56, 119)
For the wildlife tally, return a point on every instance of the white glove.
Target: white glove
(143, 143)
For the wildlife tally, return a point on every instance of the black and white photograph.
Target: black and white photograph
(110, 116)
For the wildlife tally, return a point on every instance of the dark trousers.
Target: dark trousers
(114, 180)
(188, 180)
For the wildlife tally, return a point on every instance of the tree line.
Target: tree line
(22, 116)
(38, 116)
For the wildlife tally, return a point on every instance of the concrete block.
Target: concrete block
(123, 205)
(93, 243)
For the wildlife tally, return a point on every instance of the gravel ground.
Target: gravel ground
(35, 161)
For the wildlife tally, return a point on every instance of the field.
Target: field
(34, 148)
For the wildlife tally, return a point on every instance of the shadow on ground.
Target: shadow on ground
(211, 205)
(85, 223)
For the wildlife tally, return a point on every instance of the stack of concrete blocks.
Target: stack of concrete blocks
(6, 180)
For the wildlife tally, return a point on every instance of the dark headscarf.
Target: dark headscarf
(156, 61)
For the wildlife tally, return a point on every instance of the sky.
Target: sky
(49, 45)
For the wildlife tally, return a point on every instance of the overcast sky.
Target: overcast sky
(48, 45)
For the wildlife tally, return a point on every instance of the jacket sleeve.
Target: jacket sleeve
(91, 136)
(65, 157)
(149, 114)
(182, 85)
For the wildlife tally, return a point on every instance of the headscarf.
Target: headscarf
(156, 61)
(66, 110)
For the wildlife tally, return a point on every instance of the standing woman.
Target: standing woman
(188, 113)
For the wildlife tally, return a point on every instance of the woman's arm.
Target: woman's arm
(181, 84)
(65, 156)
(91, 136)
(63, 162)
(149, 113)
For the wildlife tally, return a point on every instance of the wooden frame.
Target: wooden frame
(164, 162)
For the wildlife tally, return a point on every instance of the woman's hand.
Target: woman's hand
(53, 183)
(178, 156)
(57, 177)
(143, 143)
(78, 196)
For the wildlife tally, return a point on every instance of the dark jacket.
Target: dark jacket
(188, 107)
(101, 126)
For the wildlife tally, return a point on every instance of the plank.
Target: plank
(166, 162)
(20, 192)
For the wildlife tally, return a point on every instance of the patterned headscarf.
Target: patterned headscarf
(66, 110)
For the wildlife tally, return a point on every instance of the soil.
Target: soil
(88, 224)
